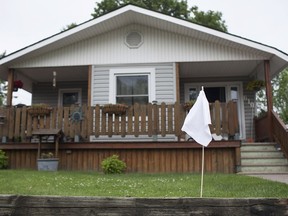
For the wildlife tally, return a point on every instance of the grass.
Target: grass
(64, 183)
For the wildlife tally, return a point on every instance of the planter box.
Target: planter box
(39, 111)
(48, 164)
(117, 109)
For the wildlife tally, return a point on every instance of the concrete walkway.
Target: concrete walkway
(273, 177)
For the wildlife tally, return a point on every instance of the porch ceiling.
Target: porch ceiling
(218, 69)
(187, 69)
(75, 73)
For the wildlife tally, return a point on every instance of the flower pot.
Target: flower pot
(117, 109)
(188, 105)
(47, 164)
(39, 111)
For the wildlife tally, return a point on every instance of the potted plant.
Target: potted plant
(255, 85)
(17, 84)
(47, 162)
(117, 109)
(188, 105)
(39, 109)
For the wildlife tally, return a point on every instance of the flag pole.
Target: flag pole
(196, 125)
(202, 170)
(202, 173)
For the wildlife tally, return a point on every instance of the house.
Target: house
(134, 55)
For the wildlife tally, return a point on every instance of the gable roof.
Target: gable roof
(131, 14)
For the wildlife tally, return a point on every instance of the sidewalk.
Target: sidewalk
(273, 177)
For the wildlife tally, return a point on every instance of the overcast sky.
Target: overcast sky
(23, 22)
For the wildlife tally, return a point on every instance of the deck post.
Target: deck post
(10, 87)
(268, 96)
(178, 82)
(89, 85)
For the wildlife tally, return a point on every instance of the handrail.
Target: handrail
(280, 133)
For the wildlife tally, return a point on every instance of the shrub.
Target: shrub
(3, 160)
(113, 165)
(47, 155)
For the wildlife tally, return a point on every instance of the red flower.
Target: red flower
(18, 84)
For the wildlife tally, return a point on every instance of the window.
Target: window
(215, 93)
(192, 93)
(132, 86)
(68, 97)
(132, 89)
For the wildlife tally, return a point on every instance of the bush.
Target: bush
(3, 160)
(113, 165)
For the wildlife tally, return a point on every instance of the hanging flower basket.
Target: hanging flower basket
(117, 109)
(255, 85)
(17, 84)
(39, 110)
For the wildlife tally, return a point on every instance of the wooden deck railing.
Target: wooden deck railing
(280, 133)
(150, 119)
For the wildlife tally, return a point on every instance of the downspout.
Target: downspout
(269, 97)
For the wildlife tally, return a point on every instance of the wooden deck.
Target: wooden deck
(148, 157)
(138, 121)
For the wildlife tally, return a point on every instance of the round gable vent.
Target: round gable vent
(133, 39)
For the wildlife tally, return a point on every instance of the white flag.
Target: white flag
(197, 121)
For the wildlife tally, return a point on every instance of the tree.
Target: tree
(176, 8)
(280, 96)
(210, 19)
(3, 89)
(70, 26)
(3, 55)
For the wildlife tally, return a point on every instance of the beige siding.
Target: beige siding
(164, 82)
(158, 46)
(45, 93)
(100, 85)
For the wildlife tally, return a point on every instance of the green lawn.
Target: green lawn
(66, 183)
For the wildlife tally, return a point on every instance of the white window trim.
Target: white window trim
(131, 71)
(70, 90)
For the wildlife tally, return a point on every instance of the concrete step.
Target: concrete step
(264, 161)
(262, 158)
(261, 154)
(258, 147)
(264, 169)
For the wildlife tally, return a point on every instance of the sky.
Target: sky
(23, 23)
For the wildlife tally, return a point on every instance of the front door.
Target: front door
(222, 92)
